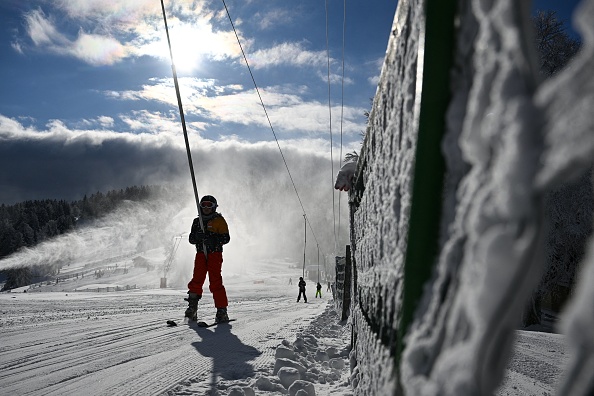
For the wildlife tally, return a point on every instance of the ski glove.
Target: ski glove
(197, 237)
(209, 239)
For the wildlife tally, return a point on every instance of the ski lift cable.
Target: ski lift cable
(268, 118)
(341, 104)
(330, 129)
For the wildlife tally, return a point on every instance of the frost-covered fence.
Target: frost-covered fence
(343, 285)
(340, 264)
(448, 239)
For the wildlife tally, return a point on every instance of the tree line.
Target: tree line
(28, 223)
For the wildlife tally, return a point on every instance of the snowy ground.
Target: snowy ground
(535, 367)
(118, 343)
(73, 343)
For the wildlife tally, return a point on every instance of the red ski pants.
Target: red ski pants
(213, 266)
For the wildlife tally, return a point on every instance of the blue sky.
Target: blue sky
(88, 102)
(93, 69)
(105, 65)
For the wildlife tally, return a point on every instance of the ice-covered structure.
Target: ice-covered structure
(448, 239)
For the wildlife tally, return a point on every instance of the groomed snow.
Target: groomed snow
(118, 343)
(72, 343)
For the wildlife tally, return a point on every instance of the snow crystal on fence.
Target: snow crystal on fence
(382, 198)
(505, 147)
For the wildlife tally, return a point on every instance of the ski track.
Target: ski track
(121, 345)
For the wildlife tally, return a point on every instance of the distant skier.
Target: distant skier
(301, 285)
(328, 289)
(290, 281)
(213, 238)
(318, 290)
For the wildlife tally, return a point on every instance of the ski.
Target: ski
(185, 321)
(204, 324)
(172, 323)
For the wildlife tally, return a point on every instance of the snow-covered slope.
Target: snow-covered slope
(118, 343)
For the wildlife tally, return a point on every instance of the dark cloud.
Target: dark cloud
(54, 168)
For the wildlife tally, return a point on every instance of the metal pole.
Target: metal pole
(183, 121)
(318, 263)
(304, 243)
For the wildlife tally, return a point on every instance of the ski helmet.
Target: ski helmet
(209, 198)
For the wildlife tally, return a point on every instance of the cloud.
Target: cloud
(17, 46)
(105, 121)
(273, 18)
(97, 50)
(121, 13)
(376, 64)
(144, 121)
(42, 30)
(62, 163)
(335, 78)
(118, 30)
(287, 54)
(59, 162)
(374, 80)
(91, 48)
(163, 90)
(212, 104)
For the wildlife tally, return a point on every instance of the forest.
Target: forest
(28, 223)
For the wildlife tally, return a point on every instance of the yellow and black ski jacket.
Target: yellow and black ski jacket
(216, 234)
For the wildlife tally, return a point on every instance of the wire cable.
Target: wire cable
(330, 127)
(341, 104)
(268, 118)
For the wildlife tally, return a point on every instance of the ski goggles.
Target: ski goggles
(207, 205)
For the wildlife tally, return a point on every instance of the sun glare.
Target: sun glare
(187, 47)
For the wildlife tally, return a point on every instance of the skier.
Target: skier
(318, 290)
(301, 290)
(290, 281)
(328, 289)
(213, 239)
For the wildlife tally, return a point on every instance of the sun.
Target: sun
(188, 50)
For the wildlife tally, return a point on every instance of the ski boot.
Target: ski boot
(192, 310)
(221, 316)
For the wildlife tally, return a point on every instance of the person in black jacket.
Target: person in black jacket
(301, 290)
(318, 290)
(209, 259)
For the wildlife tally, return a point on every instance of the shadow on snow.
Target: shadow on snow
(229, 355)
